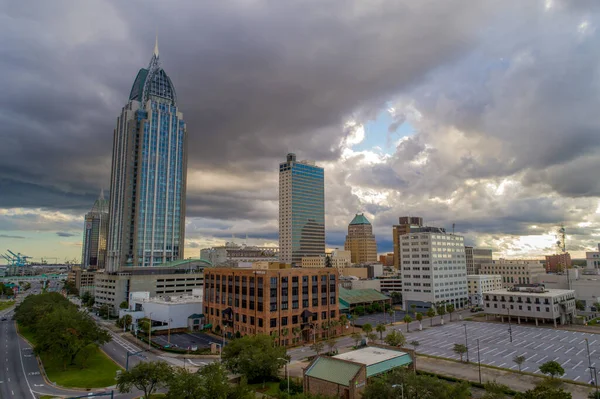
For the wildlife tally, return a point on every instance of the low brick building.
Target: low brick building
(346, 375)
(291, 304)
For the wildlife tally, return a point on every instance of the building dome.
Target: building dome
(360, 219)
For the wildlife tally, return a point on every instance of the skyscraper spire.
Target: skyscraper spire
(156, 46)
(102, 193)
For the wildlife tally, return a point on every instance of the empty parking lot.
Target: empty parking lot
(186, 340)
(538, 345)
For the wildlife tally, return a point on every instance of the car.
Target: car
(476, 309)
(4, 319)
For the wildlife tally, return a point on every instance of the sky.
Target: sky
(481, 115)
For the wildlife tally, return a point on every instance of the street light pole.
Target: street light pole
(587, 344)
(401, 389)
(595, 379)
(478, 360)
(509, 325)
(466, 342)
(169, 332)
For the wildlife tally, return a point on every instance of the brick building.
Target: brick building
(558, 263)
(291, 304)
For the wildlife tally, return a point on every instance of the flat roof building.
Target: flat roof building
(514, 272)
(479, 283)
(290, 304)
(532, 302)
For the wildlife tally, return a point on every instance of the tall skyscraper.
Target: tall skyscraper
(360, 240)
(93, 254)
(148, 177)
(301, 210)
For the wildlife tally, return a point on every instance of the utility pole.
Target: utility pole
(150, 331)
(466, 342)
(587, 344)
(478, 360)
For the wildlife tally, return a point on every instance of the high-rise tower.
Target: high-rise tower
(148, 177)
(360, 240)
(301, 210)
(93, 254)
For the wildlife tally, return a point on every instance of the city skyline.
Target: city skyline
(462, 129)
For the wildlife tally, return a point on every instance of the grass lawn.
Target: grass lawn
(6, 304)
(100, 371)
(271, 388)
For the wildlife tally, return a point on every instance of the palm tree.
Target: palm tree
(519, 360)
(431, 314)
(127, 320)
(367, 329)
(413, 307)
(441, 310)
(407, 320)
(420, 319)
(391, 314)
(460, 349)
(356, 337)
(296, 331)
(450, 309)
(380, 328)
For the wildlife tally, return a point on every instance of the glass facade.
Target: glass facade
(302, 211)
(148, 175)
(93, 254)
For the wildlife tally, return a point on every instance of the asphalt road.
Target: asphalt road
(538, 345)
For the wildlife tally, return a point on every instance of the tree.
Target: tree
(145, 376)
(70, 288)
(594, 395)
(391, 314)
(441, 310)
(395, 338)
(144, 325)
(460, 349)
(420, 319)
(494, 390)
(295, 331)
(450, 309)
(356, 337)
(359, 310)
(318, 347)
(343, 320)
(123, 305)
(331, 343)
(579, 305)
(431, 314)
(407, 319)
(127, 320)
(380, 328)
(552, 369)
(86, 297)
(367, 328)
(104, 311)
(519, 360)
(371, 337)
(185, 384)
(256, 357)
(544, 391)
(414, 344)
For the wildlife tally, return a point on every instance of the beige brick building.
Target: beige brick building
(514, 271)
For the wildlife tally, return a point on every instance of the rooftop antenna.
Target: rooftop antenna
(453, 228)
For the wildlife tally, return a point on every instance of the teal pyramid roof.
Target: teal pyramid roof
(360, 219)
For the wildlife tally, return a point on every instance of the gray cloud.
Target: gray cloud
(65, 234)
(12, 237)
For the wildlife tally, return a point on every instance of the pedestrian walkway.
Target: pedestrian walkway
(469, 372)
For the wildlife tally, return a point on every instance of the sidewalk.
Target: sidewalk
(516, 381)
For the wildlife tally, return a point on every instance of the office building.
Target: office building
(301, 210)
(476, 257)
(82, 279)
(290, 304)
(479, 283)
(171, 312)
(338, 259)
(175, 278)
(531, 303)
(148, 175)
(406, 223)
(514, 271)
(93, 254)
(558, 263)
(232, 254)
(360, 240)
(433, 269)
(391, 284)
(387, 259)
(592, 260)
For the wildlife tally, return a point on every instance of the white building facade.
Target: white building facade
(514, 272)
(593, 260)
(531, 303)
(479, 283)
(434, 269)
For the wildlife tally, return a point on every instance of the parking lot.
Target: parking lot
(537, 345)
(377, 318)
(186, 340)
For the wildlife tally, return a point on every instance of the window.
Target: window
(273, 322)
(284, 321)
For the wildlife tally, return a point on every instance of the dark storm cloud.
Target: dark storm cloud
(12, 237)
(255, 80)
(65, 234)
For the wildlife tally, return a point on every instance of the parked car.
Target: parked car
(476, 309)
